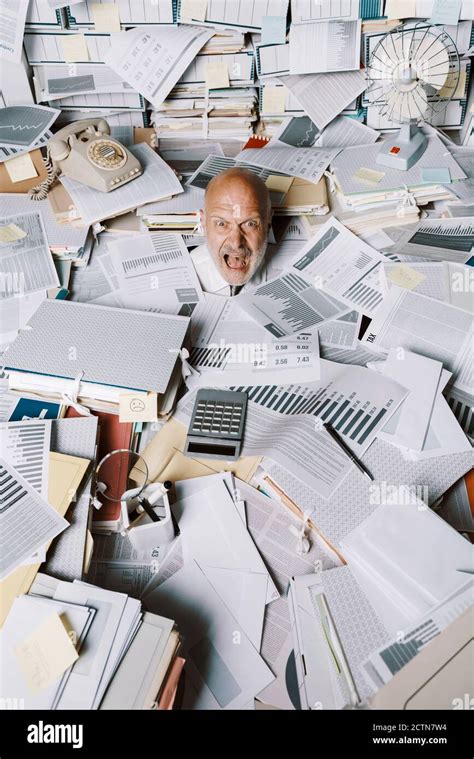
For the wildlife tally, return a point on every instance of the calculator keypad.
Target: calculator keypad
(217, 418)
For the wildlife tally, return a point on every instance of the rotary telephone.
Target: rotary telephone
(86, 152)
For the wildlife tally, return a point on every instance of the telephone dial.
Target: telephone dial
(86, 151)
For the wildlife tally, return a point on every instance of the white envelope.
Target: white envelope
(212, 533)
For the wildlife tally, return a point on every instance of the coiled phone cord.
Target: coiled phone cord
(40, 192)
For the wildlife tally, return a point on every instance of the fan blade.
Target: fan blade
(408, 105)
(432, 63)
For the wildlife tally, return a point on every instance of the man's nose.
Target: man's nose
(236, 238)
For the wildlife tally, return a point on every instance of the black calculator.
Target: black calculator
(217, 425)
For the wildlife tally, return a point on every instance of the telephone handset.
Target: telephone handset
(86, 152)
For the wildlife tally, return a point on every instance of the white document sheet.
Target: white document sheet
(355, 628)
(324, 96)
(464, 157)
(14, 315)
(445, 435)
(290, 304)
(88, 681)
(342, 332)
(215, 164)
(281, 422)
(426, 326)
(26, 264)
(431, 279)
(345, 131)
(320, 683)
(226, 674)
(62, 236)
(12, 25)
(244, 594)
(436, 239)
(306, 11)
(307, 163)
(155, 272)
(27, 521)
(325, 46)
(152, 60)
(337, 261)
(421, 376)
(25, 445)
(409, 557)
(230, 348)
(157, 181)
(212, 533)
(389, 659)
(189, 201)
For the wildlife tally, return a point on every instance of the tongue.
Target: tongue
(236, 263)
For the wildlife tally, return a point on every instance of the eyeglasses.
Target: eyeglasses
(119, 471)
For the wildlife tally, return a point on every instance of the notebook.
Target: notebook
(114, 349)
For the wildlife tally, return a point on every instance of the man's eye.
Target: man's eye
(252, 224)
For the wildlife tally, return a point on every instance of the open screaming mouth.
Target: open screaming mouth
(236, 264)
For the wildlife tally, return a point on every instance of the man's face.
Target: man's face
(236, 229)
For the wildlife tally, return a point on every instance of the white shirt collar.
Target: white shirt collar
(210, 278)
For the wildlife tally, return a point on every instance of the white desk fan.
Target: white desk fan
(413, 73)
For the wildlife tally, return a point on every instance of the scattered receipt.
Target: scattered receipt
(307, 163)
(153, 60)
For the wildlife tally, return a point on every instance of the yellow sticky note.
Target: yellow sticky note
(274, 99)
(11, 233)
(75, 48)
(400, 9)
(369, 175)
(279, 184)
(21, 167)
(46, 654)
(193, 10)
(106, 17)
(405, 276)
(217, 75)
(138, 407)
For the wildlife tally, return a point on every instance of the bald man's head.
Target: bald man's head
(236, 218)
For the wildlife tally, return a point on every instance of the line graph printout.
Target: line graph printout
(347, 268)
(24, 125)
(333, 273)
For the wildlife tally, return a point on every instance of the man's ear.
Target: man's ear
(202, 220)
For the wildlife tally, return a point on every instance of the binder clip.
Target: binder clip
(146, 516)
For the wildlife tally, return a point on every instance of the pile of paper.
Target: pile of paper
(50, 632)
(285, 576)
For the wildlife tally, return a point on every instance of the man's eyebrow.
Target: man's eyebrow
(256, 215)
